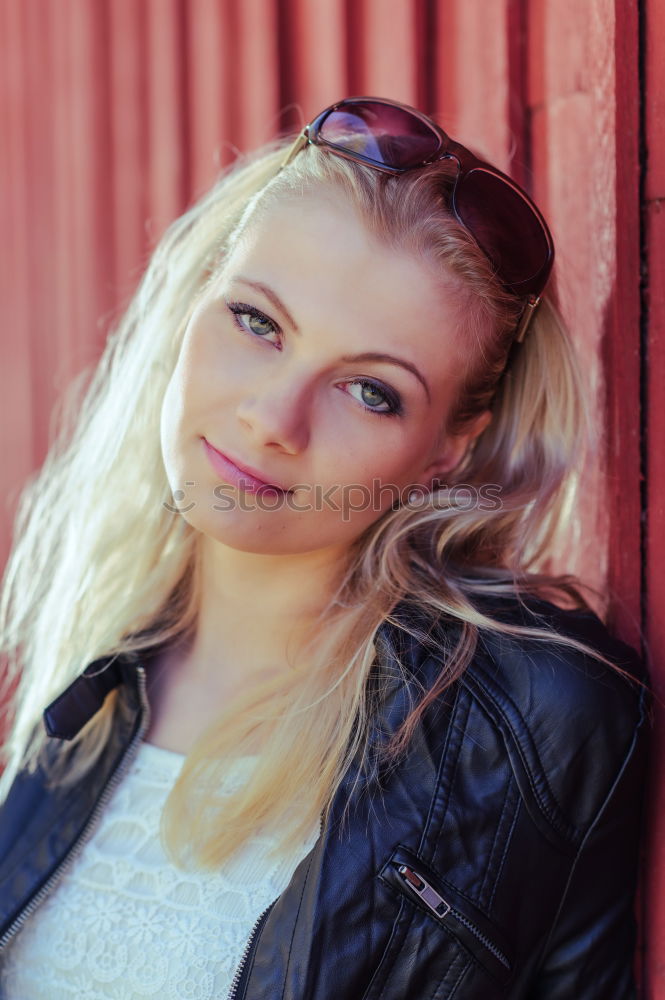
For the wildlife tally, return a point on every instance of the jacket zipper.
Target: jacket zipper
(78, 845)
(239, 971)
(233, 992)
(441, 908)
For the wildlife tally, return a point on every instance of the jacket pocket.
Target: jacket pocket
(407, 873)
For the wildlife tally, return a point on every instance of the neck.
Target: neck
(255, 609)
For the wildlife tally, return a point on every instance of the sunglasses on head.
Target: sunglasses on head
(498, 214)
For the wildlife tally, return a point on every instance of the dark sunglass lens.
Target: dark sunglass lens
(387, 135)
(506, 228)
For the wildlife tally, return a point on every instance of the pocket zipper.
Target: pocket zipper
(429, 896)
(441, 908)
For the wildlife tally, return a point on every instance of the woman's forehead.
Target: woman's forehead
(323, 258)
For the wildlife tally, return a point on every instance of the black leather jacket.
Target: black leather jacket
(498, 859)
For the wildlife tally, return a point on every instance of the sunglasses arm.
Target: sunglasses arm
(295, 148)
(525, 318)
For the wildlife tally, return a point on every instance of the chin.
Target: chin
(267, 533)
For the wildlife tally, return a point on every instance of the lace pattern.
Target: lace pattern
(123, 922)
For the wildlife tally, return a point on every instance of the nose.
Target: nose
(277, 413)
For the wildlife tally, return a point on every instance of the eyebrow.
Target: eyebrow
(348, 358)
(391, 360)
(269, 294)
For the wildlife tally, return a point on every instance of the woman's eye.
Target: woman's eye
(252, 320)
(375, 399)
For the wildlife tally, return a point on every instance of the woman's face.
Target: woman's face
(321, 362)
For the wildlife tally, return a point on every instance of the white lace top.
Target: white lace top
(123, 922)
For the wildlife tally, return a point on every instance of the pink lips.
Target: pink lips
(237, 475)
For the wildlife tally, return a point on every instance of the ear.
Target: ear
(452, 450)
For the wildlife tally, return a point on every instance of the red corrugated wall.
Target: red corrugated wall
(115, 114)
(653, 349)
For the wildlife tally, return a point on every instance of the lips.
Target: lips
(243, 476)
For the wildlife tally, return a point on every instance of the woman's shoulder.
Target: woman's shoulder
(569, 723)
(527, 672)
(543, 672)
(572, 722)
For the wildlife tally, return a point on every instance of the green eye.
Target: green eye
(259, 325)
(375, 398)
(252, 321)
(372, 395)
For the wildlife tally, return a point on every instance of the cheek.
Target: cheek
(197, 377)
(219, 362)
(182, 404)
(387, 455)
(365, 482)
(171, 420)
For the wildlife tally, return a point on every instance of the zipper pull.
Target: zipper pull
(429, 896)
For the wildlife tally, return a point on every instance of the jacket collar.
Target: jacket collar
(83, 698)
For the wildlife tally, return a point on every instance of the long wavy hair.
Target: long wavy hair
(101, 565)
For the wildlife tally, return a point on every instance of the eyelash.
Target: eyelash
(238, 309)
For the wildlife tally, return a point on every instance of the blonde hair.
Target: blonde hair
(100, 566)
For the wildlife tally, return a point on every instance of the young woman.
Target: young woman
(301, 713)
